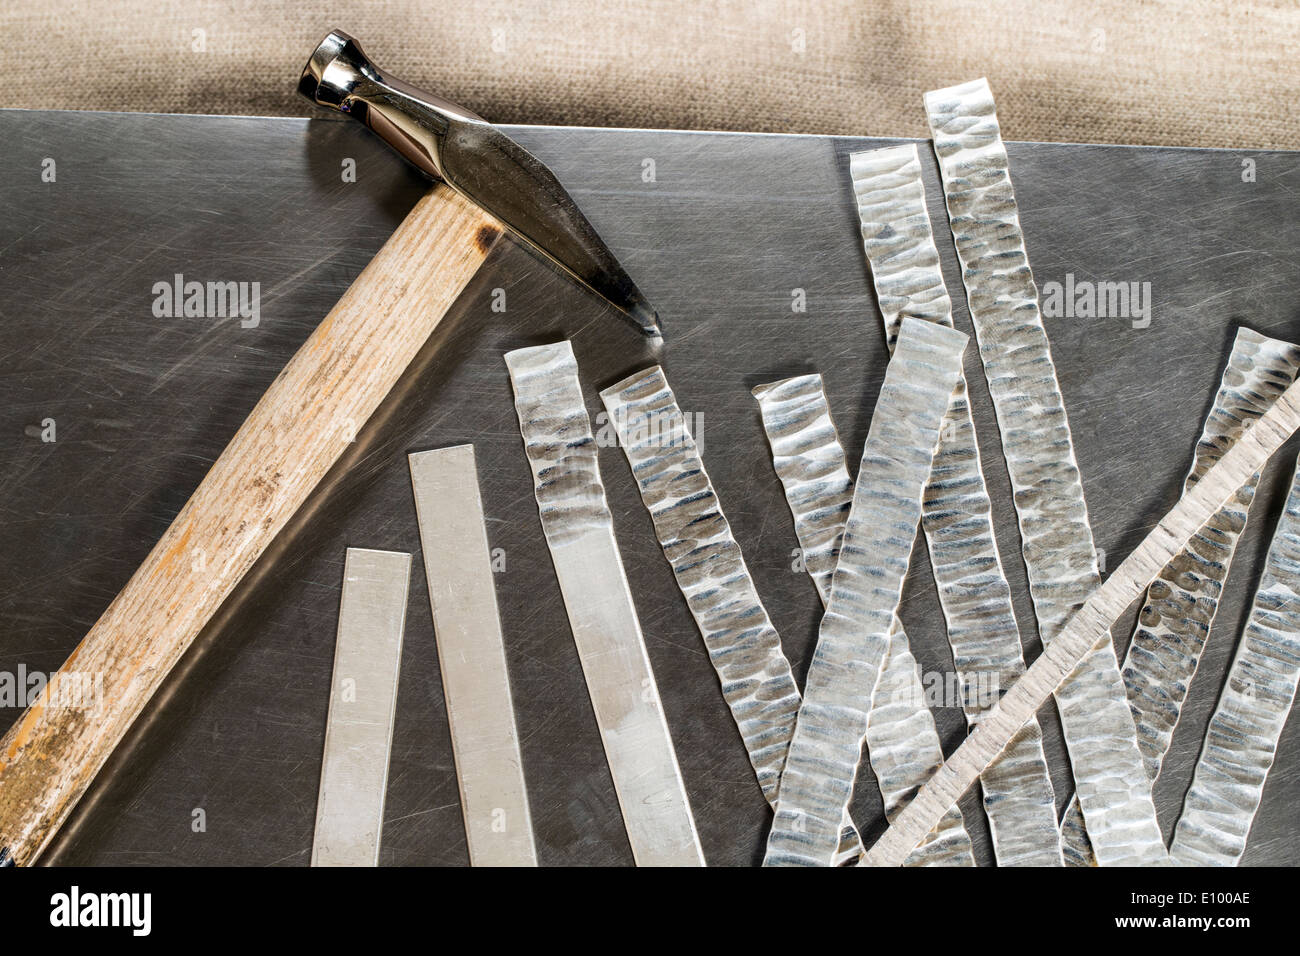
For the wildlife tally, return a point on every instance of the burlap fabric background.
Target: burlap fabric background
(1181, 72)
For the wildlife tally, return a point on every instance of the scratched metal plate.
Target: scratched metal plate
(730, 226)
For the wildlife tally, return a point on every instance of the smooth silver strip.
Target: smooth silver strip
(1060, 559)
(743, 646)
(1181, 603)
(956, 513)
(363, 699)
(580, 534)
(472, 657)
(1242, 738)
(855, 631)
(903, 746)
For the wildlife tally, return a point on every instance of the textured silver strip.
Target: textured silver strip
(1060, 559)
(363, 698)
(1242, 738)
(1181, 602)
(580, 534)
(855, 631)
(1088, 628)
(956, 513)
(903, 745)
(472, 657)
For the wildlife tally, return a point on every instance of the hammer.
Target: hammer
(486, 185)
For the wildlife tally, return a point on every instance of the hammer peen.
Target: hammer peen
(488, 184)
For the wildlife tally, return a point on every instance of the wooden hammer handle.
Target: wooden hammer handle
(295, 434)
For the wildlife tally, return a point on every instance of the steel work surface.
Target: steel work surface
(729, 228)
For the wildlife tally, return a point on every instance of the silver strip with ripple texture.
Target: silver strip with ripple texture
(1181, 603)
(743, 645)
(1056, 539)
(1242, 738)
(956, 513)
(579, 532)
(903, 745)
(854, 637)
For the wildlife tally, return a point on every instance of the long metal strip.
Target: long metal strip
(854, 636)
(903, 745)
(580, 534)
(472, 657)
(363, 698)
(1088, 628)
(743, 645)
(1181, 602)
(956, 513)
(1060, 559)
(1242, 738)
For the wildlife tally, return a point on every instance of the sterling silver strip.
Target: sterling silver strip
(903, 745)
(363, 698)
(472, 657)
(855, 631)
(1242, 738)
(1060, 559)
(743, 645)
(1181, 603)
(580, 534)
(956, 513)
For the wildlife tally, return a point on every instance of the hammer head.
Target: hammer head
(452, 144)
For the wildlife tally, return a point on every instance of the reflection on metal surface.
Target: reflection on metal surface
(450, 143)
(472, 658)
(580, 533)
(1060, 559)
(956, 513)
(743, 646)
(363, 697)
(854, 636)
(1242, 738)
(902, 744)
(1181, 602)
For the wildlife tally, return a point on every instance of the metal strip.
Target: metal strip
(854, 637)
(1060, 559)
(580, 534)
(956, 513)
(903, 745)
(1242, 738)
(472, 657)
(1088, 628)
(363, 699)
(1181, 602)
(743, 645)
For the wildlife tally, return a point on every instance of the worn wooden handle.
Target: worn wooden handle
(297, 431)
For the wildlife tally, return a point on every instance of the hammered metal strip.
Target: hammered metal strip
(854, 637)
(1181, 602)
(1088, 628)
(743, 646)
(363, 700)
(472, 657)
(1060, 559)
(1242, 738)
(903, 746)
(580, 534)
(956, 513)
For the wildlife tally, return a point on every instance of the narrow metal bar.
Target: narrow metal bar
(580, 534)
(472, 657)
(1056, 540)
(903, 745)
(1182, 601)
(956, 513)
(743, 645)
(855, 631)
(363, 698)
(1242, 738)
